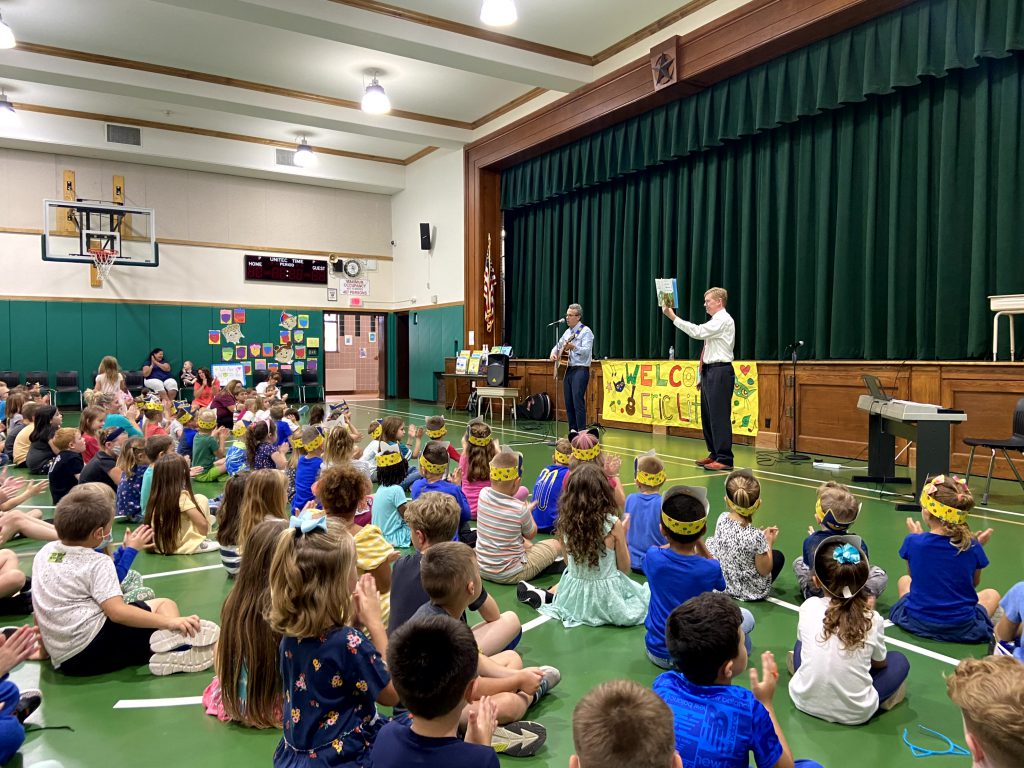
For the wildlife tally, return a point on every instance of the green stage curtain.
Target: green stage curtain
(873, 231)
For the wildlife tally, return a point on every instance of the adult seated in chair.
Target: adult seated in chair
(156, 373)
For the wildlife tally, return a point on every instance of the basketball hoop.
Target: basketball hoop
(103, 260)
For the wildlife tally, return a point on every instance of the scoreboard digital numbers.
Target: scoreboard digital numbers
(280, 269)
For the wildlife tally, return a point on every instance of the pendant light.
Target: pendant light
(498, 13)
(375, 101)
(6, 35)
(304, 157)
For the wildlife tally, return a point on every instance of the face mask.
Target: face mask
(117, 450)
(107, 539)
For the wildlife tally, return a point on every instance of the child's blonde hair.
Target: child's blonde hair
(265, 497)
(133, 453)
(206, 421)
(435, 515)
(338, 446)
(634, 710)
(110, 371)
(91, 420)
(990, 695)
(311, 580)
(743, 492)
(948, 500)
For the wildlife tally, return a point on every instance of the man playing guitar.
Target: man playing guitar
(578, 339)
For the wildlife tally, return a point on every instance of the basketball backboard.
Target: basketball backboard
(72, 229)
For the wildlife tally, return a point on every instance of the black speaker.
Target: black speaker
(338, 267)
(497, 370)
(424, 236)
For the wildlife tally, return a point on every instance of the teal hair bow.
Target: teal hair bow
(846, 553)
(306, 523)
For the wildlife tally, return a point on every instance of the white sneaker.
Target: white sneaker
(164, 640)
(194, 659)
(207, 546)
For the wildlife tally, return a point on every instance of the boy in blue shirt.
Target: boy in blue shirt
(433, 663)
(184, 416)
(433, 467)
(716, 722)
(548, 488)
(284, 427)
(682, 568)
(644, 510)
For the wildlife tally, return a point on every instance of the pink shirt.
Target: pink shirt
(471, 488)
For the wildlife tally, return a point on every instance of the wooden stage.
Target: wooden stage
(827, 392)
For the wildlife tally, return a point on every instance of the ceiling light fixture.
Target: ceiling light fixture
(375, 101)
(304, 157)
(6, 35)
(498, 13)
(7, 113)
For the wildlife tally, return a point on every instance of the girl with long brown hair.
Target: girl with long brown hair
(247, 688)
(260, 449)
(180, 519)
(595, 588)
(842, 672)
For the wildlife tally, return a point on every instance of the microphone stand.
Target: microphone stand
(553, 438)
(793, 455)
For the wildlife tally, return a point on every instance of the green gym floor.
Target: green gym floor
(161, 723)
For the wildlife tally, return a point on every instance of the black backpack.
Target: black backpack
(471, 403)
(536, 407)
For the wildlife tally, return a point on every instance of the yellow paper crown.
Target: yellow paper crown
(562, 458)
(389, 458)
(184, 416)
(586, 454)
(429, 468)
(313, 444)
(437, 434)
(376, 430)
(483, 442)
(827, 519)
(652, 479)
(206, 424)
(153, 406)
(239, 429)
(745, 511)
(504, 474)
(683, 528)
(935, 507)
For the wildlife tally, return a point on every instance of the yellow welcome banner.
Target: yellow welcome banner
(665, 392)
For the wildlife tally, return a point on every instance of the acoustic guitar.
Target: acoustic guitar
(562, 361)
(631, 402)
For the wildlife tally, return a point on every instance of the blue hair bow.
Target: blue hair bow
(846, 553)
(306, 523)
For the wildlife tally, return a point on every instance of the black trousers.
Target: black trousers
(575, 388)
(716, 388)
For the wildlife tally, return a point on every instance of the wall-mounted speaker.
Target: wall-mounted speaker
(424, 236)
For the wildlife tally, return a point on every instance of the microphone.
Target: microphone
(794, 346)
(561, 320)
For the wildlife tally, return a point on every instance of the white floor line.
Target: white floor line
(148, 576)
(179, 701)
(35, 506)
(535, 622)
(890, 640)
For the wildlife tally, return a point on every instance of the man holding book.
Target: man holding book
(579, 340)
(715, 376)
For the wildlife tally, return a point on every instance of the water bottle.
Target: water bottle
(671, 353)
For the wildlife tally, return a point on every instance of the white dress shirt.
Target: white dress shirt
(583, 337)
(719, 334)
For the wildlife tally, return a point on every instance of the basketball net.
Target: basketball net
(103, 260)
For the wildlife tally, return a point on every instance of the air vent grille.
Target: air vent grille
(286, 157)
(124, 134)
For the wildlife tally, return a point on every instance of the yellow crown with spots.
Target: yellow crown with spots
(562, 458)
(430, 468)
(239, 429)
(313, 444)
(376, 430)
(935, 507)
(203, 424)
(653, 479)
(389, 458)
(153, 406)
(437, 434)
(586, 454)
(504, 474)
(683, 527)
(483, 442)
(744, 511)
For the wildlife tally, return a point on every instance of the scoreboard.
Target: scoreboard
(281, 269)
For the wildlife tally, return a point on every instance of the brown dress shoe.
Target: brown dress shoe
(705, 462)
(716, 466)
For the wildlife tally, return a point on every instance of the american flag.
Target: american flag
(489, 282)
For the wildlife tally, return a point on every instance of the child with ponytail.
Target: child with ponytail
(842, 672)
(946, 563)
(586, 449)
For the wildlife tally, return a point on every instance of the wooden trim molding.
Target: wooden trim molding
(735, 42)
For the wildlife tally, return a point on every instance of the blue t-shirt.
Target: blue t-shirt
(943, 589)
(188, 434)
(443, 486)
(674, 579)
(235, 457)
(546, 492)
(813, 541)
(117, 420)
(386, 501)
(145, 487)
(3, 410)
(717, 726)
(1013, 604)
(156, 372)
(284, 432)
(331, 684)
(306, 472)
(397, 746)
(644, 510)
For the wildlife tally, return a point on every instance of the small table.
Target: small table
(490, 394)
(454, 377)
(1008, 305)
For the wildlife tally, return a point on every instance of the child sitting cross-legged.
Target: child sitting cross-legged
(505, 528)
(433, 665)
(85, 624)
(208, 447)
(307, 467)
(433, 518)
(434, 467)
(644, 510)
(634, 710)
(389, 499)
(180, 519)
(451, 578)
(718, 723)
(843, 673)
(836, 510)
(683, 568)
(547, 491)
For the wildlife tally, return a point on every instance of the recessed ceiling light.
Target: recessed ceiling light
(375, 101)
(6, 35)
(498, 13)
(304, 157)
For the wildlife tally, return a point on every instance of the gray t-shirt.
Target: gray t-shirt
(68, 586)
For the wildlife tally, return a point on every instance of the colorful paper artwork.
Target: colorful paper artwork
(261, 364)
(272, 365)
(214, 338)
(284, 354)
(233, 333)
(227, 354)
(255, 350)
(225, 316)
(313, 342)
(299, 367)
(286, 337)
(348, 341)
(268, 350)
(247, 368)
(303, 321)
(239, 315)
(298, 336)
(372, 337)
(241, 352)
(300, 353)
(311, 366)
(286, 366)
(288, 321)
